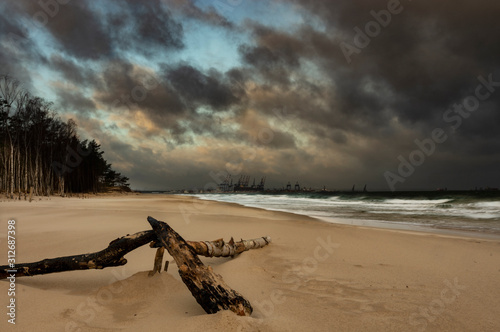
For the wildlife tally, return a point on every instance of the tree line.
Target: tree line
(41, 153)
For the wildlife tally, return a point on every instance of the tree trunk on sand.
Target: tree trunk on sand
(113, 254)
(219, 248)
(207, 287)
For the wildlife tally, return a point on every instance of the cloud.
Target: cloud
(178, 99)
(289, 105)
(19, 50)
(209, 16)
(128, 89)
(198, 89)
(98, 30)
(145, 27)
(414, 70)
(75, 27)
(69, 100)
(75, 73)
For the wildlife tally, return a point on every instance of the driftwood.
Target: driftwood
(158, 261)
(207, 287)
(113, 255)
(219, 248)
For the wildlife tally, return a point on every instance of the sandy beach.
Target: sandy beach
(314, 276)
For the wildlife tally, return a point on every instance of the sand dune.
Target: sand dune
(314, 276)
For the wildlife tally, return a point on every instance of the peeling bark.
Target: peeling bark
(219, 248)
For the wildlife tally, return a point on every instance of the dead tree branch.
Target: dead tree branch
(110, 256)
(113, 254)
(207, 287)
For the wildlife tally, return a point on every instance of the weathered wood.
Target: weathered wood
(158, 261)
(113, 254)
(110, 256)
(207, 287)
(219, 248)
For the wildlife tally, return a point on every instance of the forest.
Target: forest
(43, 155)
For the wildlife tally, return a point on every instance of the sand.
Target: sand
(315, 276)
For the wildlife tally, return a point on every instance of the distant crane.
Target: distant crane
(261, 184)
(224, 186)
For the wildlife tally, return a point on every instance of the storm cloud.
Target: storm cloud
(279, 95)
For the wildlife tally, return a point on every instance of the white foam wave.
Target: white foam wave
(437, 212)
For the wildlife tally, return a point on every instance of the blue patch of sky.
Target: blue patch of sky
(277, 14)
(215, 47)
(36, 35)
(210, 47)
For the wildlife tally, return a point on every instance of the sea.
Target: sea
(473, 212)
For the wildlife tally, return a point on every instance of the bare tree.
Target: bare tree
(10, 90)
(40, 151)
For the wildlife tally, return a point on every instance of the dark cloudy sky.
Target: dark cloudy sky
(180, 92)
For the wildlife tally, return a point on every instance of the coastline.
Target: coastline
(314, 275)
(380, 224)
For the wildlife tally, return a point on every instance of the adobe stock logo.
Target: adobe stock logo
(453, 116)
(371, 29)
(428, 314)
(50, 10)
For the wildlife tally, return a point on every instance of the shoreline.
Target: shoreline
(363, 223)
(377, 224)
(313, 276)
(350, 222)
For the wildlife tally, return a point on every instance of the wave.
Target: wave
(434, 210)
